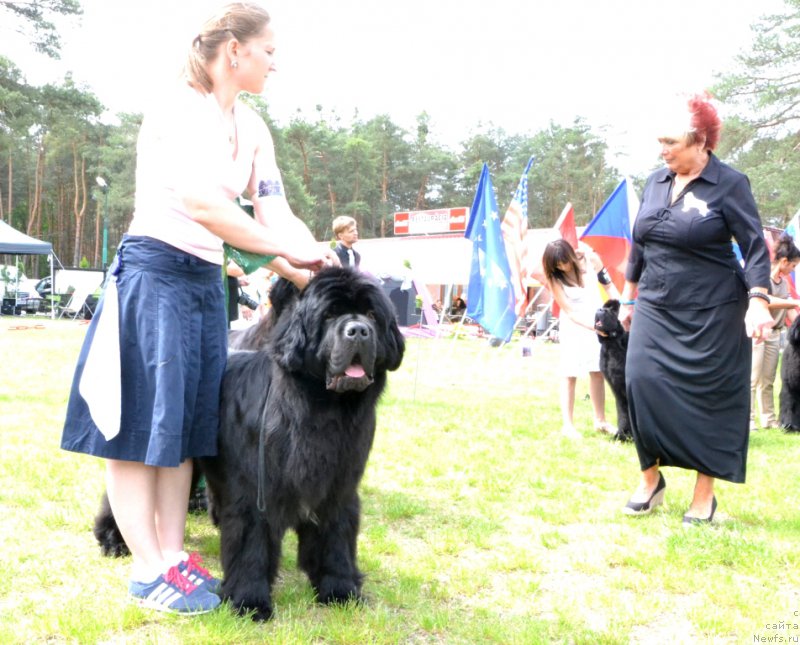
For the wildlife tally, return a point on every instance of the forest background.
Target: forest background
(56, 138)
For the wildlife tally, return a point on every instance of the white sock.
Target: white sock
(146, 574)
(174, 558)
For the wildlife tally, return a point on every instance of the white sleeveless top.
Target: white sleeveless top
(183, 149)
(580, 349)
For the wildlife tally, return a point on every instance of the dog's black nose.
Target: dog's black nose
(356, 330)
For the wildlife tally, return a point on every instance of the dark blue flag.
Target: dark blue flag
(490, 294)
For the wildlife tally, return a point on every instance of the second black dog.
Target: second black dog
(790, 376)
(613, 352)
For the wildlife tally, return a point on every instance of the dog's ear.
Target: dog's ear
(395, 346)
(290, 340)
(391, 344)
(281, 296)
(612, 305)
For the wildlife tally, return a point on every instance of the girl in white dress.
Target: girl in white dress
(572, 280)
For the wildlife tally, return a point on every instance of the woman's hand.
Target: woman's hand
(625, 315)
(758, 320)
(594, 260)
(626, 310)
(331, 259)
(310, 258)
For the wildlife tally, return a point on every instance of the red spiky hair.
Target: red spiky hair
(705, 121)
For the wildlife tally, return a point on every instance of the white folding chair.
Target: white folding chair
(75, 305)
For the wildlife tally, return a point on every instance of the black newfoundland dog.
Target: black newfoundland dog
(790, 376)
(297, 425)
(613, 351)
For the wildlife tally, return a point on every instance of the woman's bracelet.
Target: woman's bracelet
(603, 277)
(759, 294)
(627, 302)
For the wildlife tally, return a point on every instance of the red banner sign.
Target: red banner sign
(443, 220)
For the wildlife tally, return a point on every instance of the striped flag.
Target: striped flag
(515, 229)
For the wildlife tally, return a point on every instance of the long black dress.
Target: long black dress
(688, 366)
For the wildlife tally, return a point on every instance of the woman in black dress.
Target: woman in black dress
(688, 366)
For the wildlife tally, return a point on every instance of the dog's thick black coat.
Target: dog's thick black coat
(297, 424)
(613, 352)
(789, 398)
(282, 295)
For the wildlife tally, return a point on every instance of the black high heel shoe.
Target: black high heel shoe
(702, 520)
(656, 499)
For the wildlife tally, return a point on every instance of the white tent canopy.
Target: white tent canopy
(14, 242)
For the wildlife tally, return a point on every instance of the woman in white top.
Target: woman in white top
(196, 153)
(572, 280)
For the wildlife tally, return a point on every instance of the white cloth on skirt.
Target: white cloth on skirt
(101, 382)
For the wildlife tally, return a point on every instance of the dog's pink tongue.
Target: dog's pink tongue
(355, 371)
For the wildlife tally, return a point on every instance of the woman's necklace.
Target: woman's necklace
(228, 119)
(679, 183)
(231, 128)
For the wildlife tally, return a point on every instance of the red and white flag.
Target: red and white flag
(566, 225)
(515, 229)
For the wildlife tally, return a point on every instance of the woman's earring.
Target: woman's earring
(234, 64)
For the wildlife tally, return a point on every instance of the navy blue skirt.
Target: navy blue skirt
(173, 349)
(688, 382)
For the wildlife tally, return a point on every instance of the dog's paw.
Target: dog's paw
(258, 610)
(111, 544)
(338, 591)
(115, 550)
(198, 502)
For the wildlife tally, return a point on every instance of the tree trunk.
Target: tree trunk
(331, 193)
(384, 190)
(423, 187)
(10, 183)
(79, 201)
(62, 225)
(306, 171)
(36, 205)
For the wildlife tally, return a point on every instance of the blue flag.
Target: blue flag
(490, 294)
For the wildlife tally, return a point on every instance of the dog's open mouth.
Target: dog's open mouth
(354, 378)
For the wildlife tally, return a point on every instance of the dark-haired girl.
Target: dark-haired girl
(571, 278)
(765, 355)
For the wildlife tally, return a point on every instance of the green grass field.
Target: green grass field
(482, 524)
